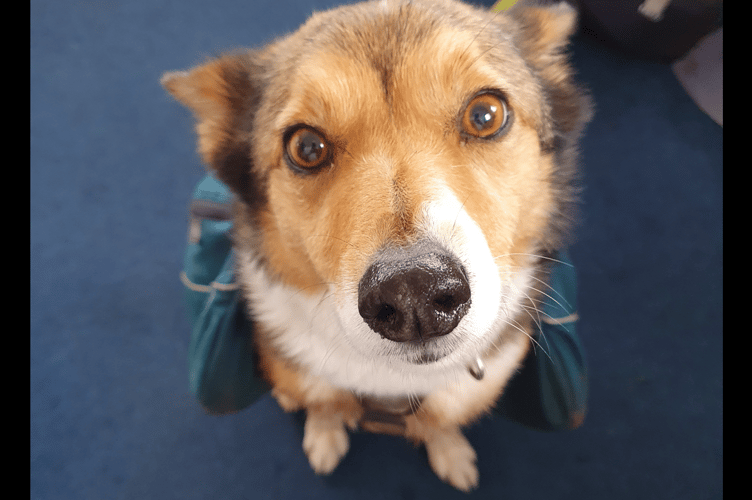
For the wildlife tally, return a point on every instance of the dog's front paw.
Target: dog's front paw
(325, 441)
(452, 458)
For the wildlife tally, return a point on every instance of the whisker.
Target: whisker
(414, 401)
(567, 309)
(535, 307)
(328, 354)
(467, 49)
(459, 211)
(532, 306)
(540, 329)
(308, 287)
(516, 325)
(547, 285)
(537, 256)
(338, 239)
(527, 309)
(333, 343)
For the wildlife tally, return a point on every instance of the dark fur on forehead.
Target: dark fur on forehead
(364, 30)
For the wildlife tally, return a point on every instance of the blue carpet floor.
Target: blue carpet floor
(112, 166)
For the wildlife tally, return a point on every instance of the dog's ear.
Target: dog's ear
(545, 30)
(223, 95)
(545, 33)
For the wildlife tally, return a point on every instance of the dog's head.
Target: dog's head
(412, 158)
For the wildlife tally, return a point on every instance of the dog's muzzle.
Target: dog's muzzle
(414, 294)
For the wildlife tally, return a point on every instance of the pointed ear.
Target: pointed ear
(223, 95)
(545, 33)
(546, 30)
(220, 93)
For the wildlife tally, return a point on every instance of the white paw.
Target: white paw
(325, 442)
(453, 459)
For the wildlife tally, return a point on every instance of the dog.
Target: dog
(403, 172)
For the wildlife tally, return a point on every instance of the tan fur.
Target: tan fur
(385, 86)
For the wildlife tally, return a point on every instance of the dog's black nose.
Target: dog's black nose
(411, 295)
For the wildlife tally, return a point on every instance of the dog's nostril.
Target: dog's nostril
(445, 302)
(386, 314)
(414, 296)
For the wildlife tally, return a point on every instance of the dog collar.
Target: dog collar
(385, 415)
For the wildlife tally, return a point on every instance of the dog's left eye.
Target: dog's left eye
(485, 116)
(306, 148)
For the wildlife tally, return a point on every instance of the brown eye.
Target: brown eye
(306, 149)
(485, 115)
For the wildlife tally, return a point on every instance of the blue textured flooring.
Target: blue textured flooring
(112, 166)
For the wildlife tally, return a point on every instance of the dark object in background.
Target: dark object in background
(619, 23)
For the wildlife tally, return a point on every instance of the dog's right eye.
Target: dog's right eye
(306, 149)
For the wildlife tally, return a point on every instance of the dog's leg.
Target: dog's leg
(325, 439)
(450, 454)
(452, 457)
(438, 421)
(286, 402)
(328, 410)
